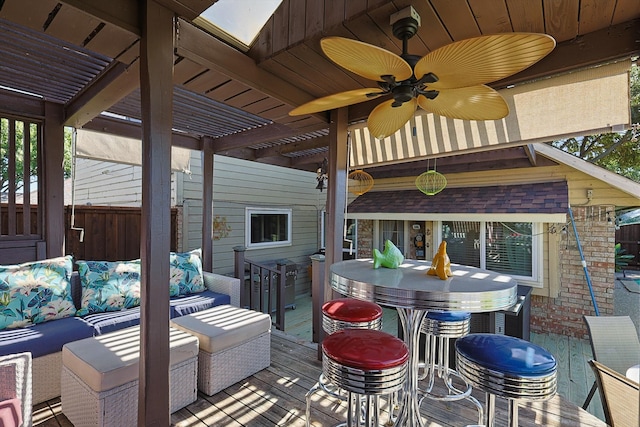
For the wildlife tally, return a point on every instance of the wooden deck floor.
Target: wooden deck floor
(275, 396)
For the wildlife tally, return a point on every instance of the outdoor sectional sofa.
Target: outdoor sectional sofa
(44, 305)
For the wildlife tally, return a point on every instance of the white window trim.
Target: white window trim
(537, 255)
(267, 211)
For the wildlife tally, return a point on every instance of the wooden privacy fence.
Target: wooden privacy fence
(629, 238)
(110, 233)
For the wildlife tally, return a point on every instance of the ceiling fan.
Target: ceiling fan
(449, 81)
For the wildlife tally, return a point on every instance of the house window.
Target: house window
(265, 228)
(394, 231)
(503, 247)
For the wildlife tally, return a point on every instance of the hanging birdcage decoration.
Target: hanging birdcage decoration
(360, 182)
(431, 182)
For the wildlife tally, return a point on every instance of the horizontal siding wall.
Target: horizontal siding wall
(239, 184)
(101, 183)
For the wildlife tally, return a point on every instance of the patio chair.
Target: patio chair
(620, 396)
(614, 343)
(15, 390)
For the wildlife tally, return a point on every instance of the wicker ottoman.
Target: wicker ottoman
(100, 377)
(234, 344)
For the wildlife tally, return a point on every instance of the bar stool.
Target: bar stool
(440, 327)
(507, 367)
(339, 314)
(366, 364)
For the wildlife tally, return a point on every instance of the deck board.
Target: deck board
(276, 396)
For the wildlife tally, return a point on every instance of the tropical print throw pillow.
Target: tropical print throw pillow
(109, 286)
(35, 292)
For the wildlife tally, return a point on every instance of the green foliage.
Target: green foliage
(621, 258)
(19, 141)
(617, 152)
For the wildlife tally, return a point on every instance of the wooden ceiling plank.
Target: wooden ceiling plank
(111, 41)
(333, 13)
(102, 94)
(457, 17)
(365, 29)
(39, 10)
(227, 90)
(625, 10)
(121, 13)
(280, 31)
(130, 55)
(596, 15)
(526, 16)
(492, 16)
(353, 8)
(72, 25)
(206, 81)
(185, 70)
(189, 9)
(320, 69)
(273, 66)
(246, 98)
(251, 137)
(314, 16)
(262, 105)
(561, 19)
(297, 15)
(432, 32)
(277, 113)
(214, 54)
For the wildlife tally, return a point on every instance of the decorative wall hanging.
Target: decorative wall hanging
(220, 227)
(322, 176)
(431, 182)
(360, 182)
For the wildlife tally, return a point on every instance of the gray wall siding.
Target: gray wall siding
(111, 184)
(239, 184)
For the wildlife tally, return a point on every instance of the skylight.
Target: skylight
(238, 21)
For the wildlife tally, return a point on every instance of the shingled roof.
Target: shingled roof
(539, 198)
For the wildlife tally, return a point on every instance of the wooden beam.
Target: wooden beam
(122, 13)
(530, 151)
(599, 47)
(110, 87)
(52, 147)
(255, 136)
(206, 50)
(156, 93)
(293, 147)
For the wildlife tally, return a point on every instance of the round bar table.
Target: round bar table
(412, 292)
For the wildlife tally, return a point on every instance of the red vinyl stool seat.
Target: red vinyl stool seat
(366, 364)
(343, 313)
(339, 314)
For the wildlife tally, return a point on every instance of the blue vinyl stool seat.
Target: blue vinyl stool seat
(508, 367)
(339, 314)
(439, 327)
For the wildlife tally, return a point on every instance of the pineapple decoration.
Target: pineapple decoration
(360, 182)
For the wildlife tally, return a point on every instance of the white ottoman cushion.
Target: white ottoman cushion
(224, 326)
(112, 359)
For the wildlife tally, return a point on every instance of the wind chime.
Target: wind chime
(431, 182)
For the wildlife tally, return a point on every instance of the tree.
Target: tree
(617, 152)
(19, 154)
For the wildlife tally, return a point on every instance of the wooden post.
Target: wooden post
(207, 208)
(53, 179)
(156, 90)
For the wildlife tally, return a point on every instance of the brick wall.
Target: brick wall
(563, 315)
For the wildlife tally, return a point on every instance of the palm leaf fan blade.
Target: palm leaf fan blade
(467, 103)
(336, 100)
(366, 60)
(484, 59)
(385, 120)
